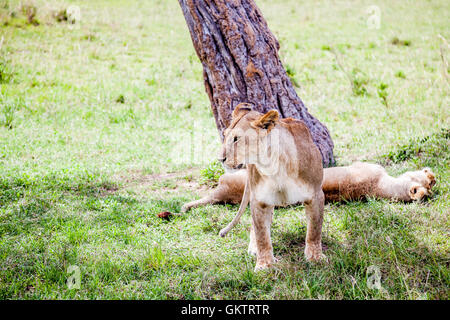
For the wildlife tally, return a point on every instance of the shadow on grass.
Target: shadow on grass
(377, 233)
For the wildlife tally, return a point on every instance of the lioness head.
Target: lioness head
(426, 180)
(418, 192)
(423, 182)
(246, 139)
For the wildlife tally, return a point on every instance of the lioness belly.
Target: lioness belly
(282, 193)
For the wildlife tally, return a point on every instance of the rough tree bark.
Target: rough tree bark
(240, 62)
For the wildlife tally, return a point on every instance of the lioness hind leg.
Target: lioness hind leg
(314, 215)
(252, 244)
(230, 190)
(218, 195)
(198, 203)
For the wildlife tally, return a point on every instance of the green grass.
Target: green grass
(94, 116)
(210, 174)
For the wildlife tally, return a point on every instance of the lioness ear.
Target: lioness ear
(429, 173)
(266, 121)
(241, 109)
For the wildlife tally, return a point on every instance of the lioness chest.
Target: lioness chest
(282, 191)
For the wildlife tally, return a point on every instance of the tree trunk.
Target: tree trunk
(240, 62)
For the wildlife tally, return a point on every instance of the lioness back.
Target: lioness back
(352, 182)
(231, 187)
(310, 154)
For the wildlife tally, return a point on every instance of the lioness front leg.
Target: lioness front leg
(314, 215)
(252, 244)
(262, 221)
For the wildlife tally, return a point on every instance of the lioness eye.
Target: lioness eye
(236, 138)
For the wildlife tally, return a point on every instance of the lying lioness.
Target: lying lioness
(362, 180)
(355, 182)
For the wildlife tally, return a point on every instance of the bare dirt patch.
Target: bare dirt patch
(163, 183)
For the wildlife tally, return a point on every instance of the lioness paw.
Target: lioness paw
(313, 253)
(251, 251)
(262, 266)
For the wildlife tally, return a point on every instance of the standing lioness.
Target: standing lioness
(284, 167)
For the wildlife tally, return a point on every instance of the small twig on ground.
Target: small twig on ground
(357, 82)
(444, 60)
(341, 66)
